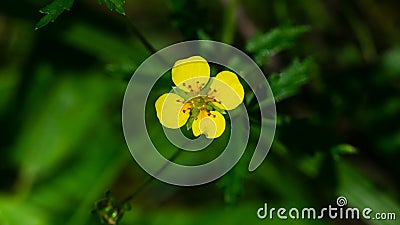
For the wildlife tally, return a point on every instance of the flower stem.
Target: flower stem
(132, 28)
(150, 179)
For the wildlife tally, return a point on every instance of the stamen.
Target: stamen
(184, 84)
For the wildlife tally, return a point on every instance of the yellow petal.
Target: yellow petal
(172, 111)
(211, 124)
(191, 74)
(227, 89)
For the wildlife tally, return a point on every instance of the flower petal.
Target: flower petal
(211, 124)
(172, 111)
(227, 89)
(191, 74)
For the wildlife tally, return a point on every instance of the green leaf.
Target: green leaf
(363, 192)
(232, 183)
(279, 39)
(343, 149)
(48, 127)
(106, 46)
(390, 62)
(116, 5)
(52, 11)
(289, 81)
(13, 212)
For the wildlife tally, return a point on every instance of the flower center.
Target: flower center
(200, 107)
(202, 103)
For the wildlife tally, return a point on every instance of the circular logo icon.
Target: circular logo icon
(134, 114)
(341, 201)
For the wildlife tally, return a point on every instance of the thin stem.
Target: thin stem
(230, 14)
(151, 178)
(132, 28)
(135, 31)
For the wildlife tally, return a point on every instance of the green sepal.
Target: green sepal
(216, 108)
(194, 113)
(181, 93)
(190, 123)
(209, 108)
(206, 88)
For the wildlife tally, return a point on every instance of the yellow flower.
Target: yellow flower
(203, 103)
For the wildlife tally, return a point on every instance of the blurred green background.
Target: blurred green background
(334, 67)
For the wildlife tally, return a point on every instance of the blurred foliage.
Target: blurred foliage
(333, 67)
(289, 81)
(276, 40)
